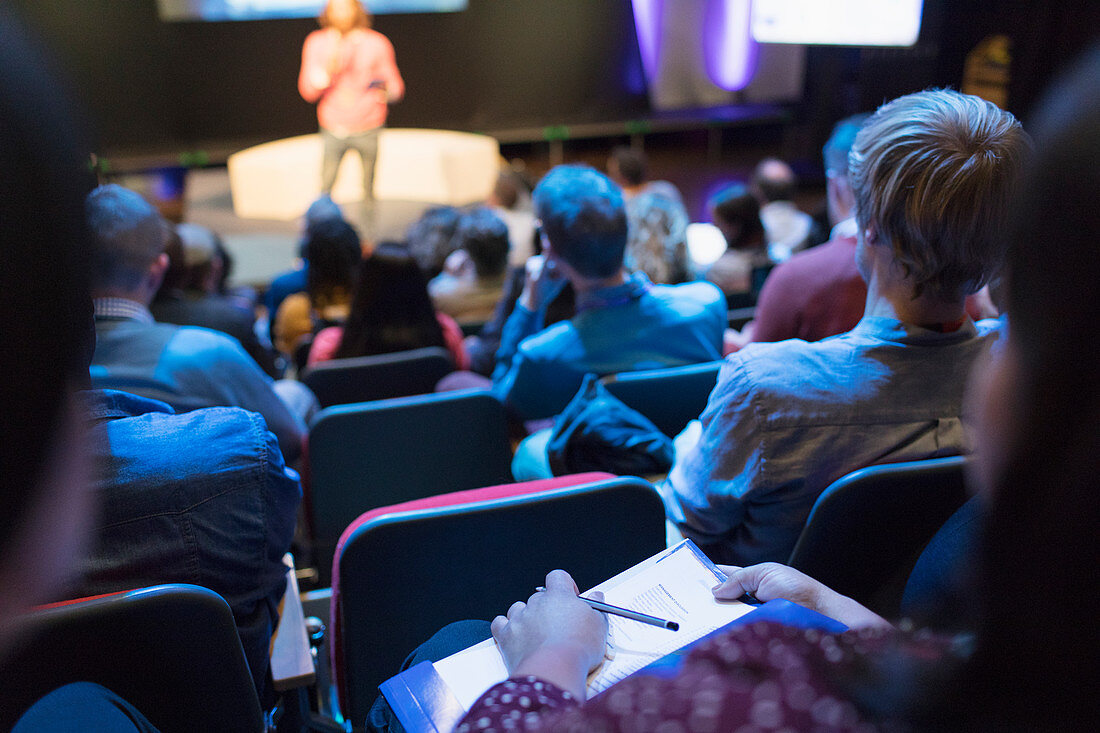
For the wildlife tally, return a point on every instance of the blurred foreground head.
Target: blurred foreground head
(48, 331)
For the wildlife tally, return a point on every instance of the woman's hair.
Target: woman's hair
(733, 206)
(391, 309)
(656, 242)
(1040, 642)
(362, 20)
(333, 251)
(430, 239)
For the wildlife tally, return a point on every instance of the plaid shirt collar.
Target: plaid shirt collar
(121, 309)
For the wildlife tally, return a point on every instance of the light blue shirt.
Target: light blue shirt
(629, 327)
(786, 419)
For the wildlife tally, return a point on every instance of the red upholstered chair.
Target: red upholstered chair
(172, 651)
(403, 572)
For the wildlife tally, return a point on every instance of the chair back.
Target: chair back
(172, 651)
(401, 577)
(671, 397)
(867, 529)
(379, 453)
(380, 377)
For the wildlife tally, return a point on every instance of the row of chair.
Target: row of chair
(404, 373)
(373, 454)
(403, 571)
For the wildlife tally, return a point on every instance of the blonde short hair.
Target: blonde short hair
(933, 174)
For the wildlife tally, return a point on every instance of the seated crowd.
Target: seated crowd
(139, 385)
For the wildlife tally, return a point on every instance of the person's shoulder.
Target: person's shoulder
(206, 348)
(549, 344)
(702, 292)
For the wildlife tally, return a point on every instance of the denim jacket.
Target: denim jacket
(201, 498)
(786, 419)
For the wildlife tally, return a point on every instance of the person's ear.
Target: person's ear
(157, 270)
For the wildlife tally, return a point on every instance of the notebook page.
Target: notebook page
(673, 585)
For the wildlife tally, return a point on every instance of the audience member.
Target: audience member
(390, 311)
(431, 238)
(736, 213)
(210, 478)
(334, 252)
(1027, 668)
(511, 201)
(819, 292)
(786, 227)
(656, 241)
(183, 366)
(623, 323)
(931, 174)
(473, 276)
(294, 280)
(189, 294)
(629, 169)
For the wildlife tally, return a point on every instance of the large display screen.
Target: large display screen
(837, 22)
(260, 9)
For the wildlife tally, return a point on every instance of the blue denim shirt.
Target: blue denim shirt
(786, 419)
(629, 327)
(201, 498)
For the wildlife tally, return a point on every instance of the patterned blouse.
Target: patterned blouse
(757, 677)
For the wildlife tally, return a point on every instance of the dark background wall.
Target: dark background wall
(500, 64)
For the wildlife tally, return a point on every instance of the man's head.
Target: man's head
(583, 219)
(195, 259)
(129, 239)
(773, 180)
(932, 175)
(627, 167)
(485, 238)
(840, 200)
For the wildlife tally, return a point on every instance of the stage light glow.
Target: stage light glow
(647, 27)
(728, 47)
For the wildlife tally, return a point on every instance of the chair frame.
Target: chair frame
(352, 380)
(866, 530)
(172, 651)
(484, 556)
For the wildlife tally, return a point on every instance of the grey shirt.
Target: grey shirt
(786, 419)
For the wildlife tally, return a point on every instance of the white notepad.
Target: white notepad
(674, 585)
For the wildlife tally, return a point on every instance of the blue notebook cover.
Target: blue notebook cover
(424, 704)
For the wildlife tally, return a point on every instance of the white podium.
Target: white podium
(279, 179)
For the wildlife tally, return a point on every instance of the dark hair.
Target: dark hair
(773, 180)
(839, 144)
(430, 238)
(735, 206)
(584, 218)
(631, 164)
(485, 237)
(391, 309)
(44, 267)
(1046, 503)
(1031, 659)
(334, 254)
